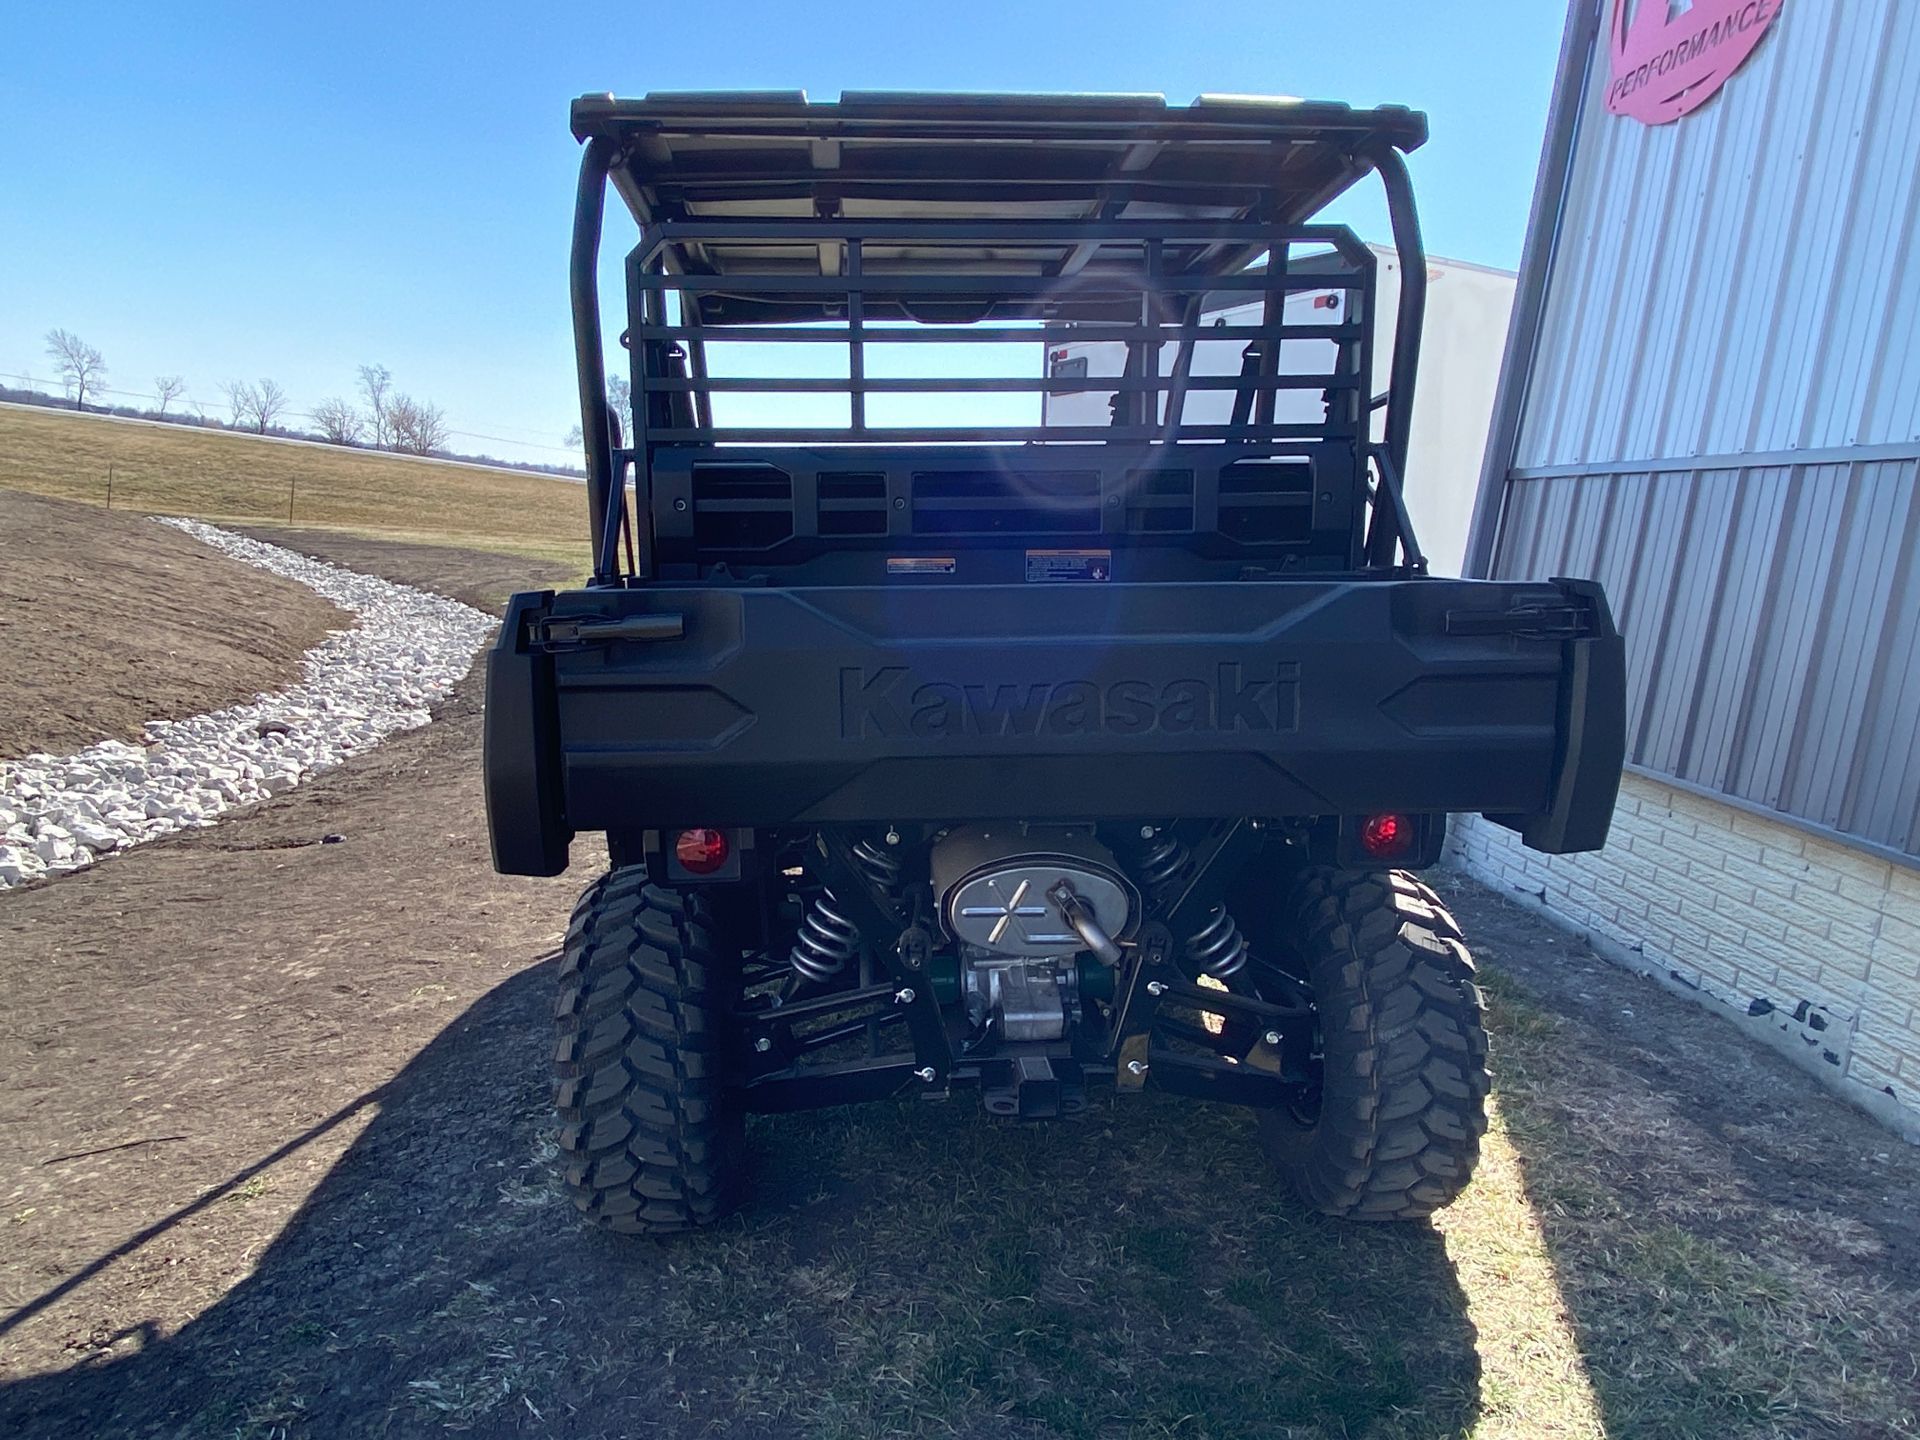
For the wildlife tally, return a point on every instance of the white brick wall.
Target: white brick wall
(1812, 945)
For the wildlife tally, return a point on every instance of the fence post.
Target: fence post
(291, 479)
(109, 485)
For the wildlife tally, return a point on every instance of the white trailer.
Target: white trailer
(1466, 332)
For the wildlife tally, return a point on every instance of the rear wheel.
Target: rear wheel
(1393, 1130)
(651, 1136)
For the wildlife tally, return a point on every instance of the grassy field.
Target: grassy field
(177, 470)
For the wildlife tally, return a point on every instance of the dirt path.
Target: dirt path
(109, 620)
(281, 1105)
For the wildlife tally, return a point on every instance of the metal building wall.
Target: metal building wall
(1721, 419)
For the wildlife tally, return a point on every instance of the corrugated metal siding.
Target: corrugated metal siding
(1772, 617)
(1744, 279)
(1725, 291)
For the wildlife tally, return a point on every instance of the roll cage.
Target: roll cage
(889, 220)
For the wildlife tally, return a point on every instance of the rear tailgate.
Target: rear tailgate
(750, 706)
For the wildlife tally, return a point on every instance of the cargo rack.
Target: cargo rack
(901, 220)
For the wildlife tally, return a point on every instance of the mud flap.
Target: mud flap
(526, 818)
(1592, 728)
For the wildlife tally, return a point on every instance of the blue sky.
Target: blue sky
(288, 191)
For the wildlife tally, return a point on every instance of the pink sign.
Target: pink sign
(1667, 64)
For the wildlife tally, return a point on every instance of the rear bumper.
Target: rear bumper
(916, 703)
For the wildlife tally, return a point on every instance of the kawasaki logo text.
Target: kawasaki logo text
(892, 701)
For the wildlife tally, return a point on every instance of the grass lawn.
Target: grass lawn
(218, 476)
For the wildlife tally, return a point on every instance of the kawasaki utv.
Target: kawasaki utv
(940, 748)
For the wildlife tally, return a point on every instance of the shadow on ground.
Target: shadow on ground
(910, 1269)
(1735, 1251)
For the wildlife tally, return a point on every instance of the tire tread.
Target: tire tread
(650, 1142)
(1404, 1096)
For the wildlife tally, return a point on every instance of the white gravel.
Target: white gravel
(360, 685)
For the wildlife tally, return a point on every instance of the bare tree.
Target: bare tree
(376, 385)
(242, 401)
(339, 422)
(620, 397)
(79, 364)
(270, 404)
(620, 400)
(255, 406)
(417, 427)
(167, 389)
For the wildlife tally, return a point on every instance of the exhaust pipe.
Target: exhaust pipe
(1080, 916)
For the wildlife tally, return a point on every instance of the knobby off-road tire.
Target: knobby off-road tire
(1403, 1100)
(651, 1139)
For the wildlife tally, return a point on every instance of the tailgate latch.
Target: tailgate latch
(563, 632)
(1525, 622)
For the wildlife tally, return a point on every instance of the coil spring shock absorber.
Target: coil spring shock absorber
(1217, 948)
(1159, 861)
(881, 867)
(827, 939)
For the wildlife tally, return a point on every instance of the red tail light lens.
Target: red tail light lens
(701, 852)
(1384, 836)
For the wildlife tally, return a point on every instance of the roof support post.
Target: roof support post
(1408, 324)
(590, 203)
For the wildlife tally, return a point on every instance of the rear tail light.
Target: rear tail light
(1386, 836)
(1382, 840)
(701, 852)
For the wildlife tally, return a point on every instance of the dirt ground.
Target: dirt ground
(188, 629)
(274, 1161)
